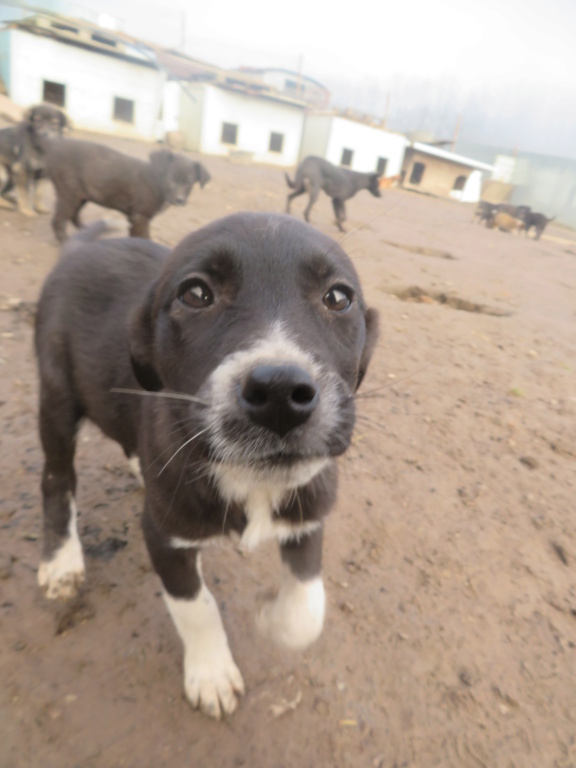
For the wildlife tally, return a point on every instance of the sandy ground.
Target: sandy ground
(450, 559)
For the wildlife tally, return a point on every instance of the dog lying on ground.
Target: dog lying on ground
(253, 336)
(506, 223)
(22, 156)
(538, 221)
(314, 174)
(83, 172)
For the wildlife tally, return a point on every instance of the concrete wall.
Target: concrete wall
(367, 143)
(439, 174)
(92, 82)
(5, 58)
(191, 115)
(256, 118)
(547, 185)
(315, 135)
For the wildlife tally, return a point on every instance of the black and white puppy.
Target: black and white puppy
(250, 339)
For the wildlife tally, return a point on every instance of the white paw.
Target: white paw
(212, 683)
(295, 617)
(61, 576)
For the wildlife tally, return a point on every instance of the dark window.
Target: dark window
(291, 85)
(104, 40)
(276, 142)
(63, 27)
(123, 110)
(229, 133)
(54, 93)
(381, 166)
(459, 183)
(346, 159)
(417, 173)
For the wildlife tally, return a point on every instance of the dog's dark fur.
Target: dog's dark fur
(315, 174)
(484, 212)
(22, 156)
(537, 220)
(83, 172)
(254, 334)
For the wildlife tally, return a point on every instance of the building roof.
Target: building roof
(451, 156)
(84, 34)
(294, 73)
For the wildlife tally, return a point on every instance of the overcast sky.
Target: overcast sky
(507, 67)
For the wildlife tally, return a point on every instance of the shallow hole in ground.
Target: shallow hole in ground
(422, 250)
(417, 295)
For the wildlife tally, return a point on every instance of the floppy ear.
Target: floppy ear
(202, 175)
(160, 160)
(142, 346)
(65, 122)
(28, 115)
(371, 320)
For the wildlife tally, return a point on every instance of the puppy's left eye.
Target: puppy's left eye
(196, 294)
(338, 298)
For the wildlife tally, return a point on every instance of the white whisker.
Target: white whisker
(171, 395)
(187, 442)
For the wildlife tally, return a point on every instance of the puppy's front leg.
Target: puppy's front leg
(211, 678)
(295, 616)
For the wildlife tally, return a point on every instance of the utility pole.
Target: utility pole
(456, 131)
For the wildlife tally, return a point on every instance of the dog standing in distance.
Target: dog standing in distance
(22, 156)
(84, 172)
(252, 336)
(314, 174)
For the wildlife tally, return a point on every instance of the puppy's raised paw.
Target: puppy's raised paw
(295, 616)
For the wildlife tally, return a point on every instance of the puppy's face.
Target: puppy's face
(374, 186)
(46, 122)
(262, 319)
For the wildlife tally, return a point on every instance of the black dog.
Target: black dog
(315, 174)
(22, 156)
(253, 336)
(538, 221)
(83, 172)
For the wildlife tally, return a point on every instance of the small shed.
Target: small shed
(104, 82)
(353, 144)
(436, 171)
(226, 118)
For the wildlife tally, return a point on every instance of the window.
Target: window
(104, 40)
(123, 110)
(459, 183)
(229, 133)
(291, 85)
(346, 159)
(276, 142)
(417, 173)
(381, 166)
(54, 93)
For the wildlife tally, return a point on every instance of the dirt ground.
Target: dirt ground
(450, 559)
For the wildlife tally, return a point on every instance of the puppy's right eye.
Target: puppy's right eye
(196, 294)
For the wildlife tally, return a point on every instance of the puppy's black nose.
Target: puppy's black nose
(278, 397)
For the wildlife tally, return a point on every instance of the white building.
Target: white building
(353, 144)
(221, 120)
(103, 82)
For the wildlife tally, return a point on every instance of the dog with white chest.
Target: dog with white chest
(228, 367)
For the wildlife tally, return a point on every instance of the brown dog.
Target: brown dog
(507, 223)
(83, 172)
(22, 156)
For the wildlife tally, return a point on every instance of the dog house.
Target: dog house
(436, 171)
